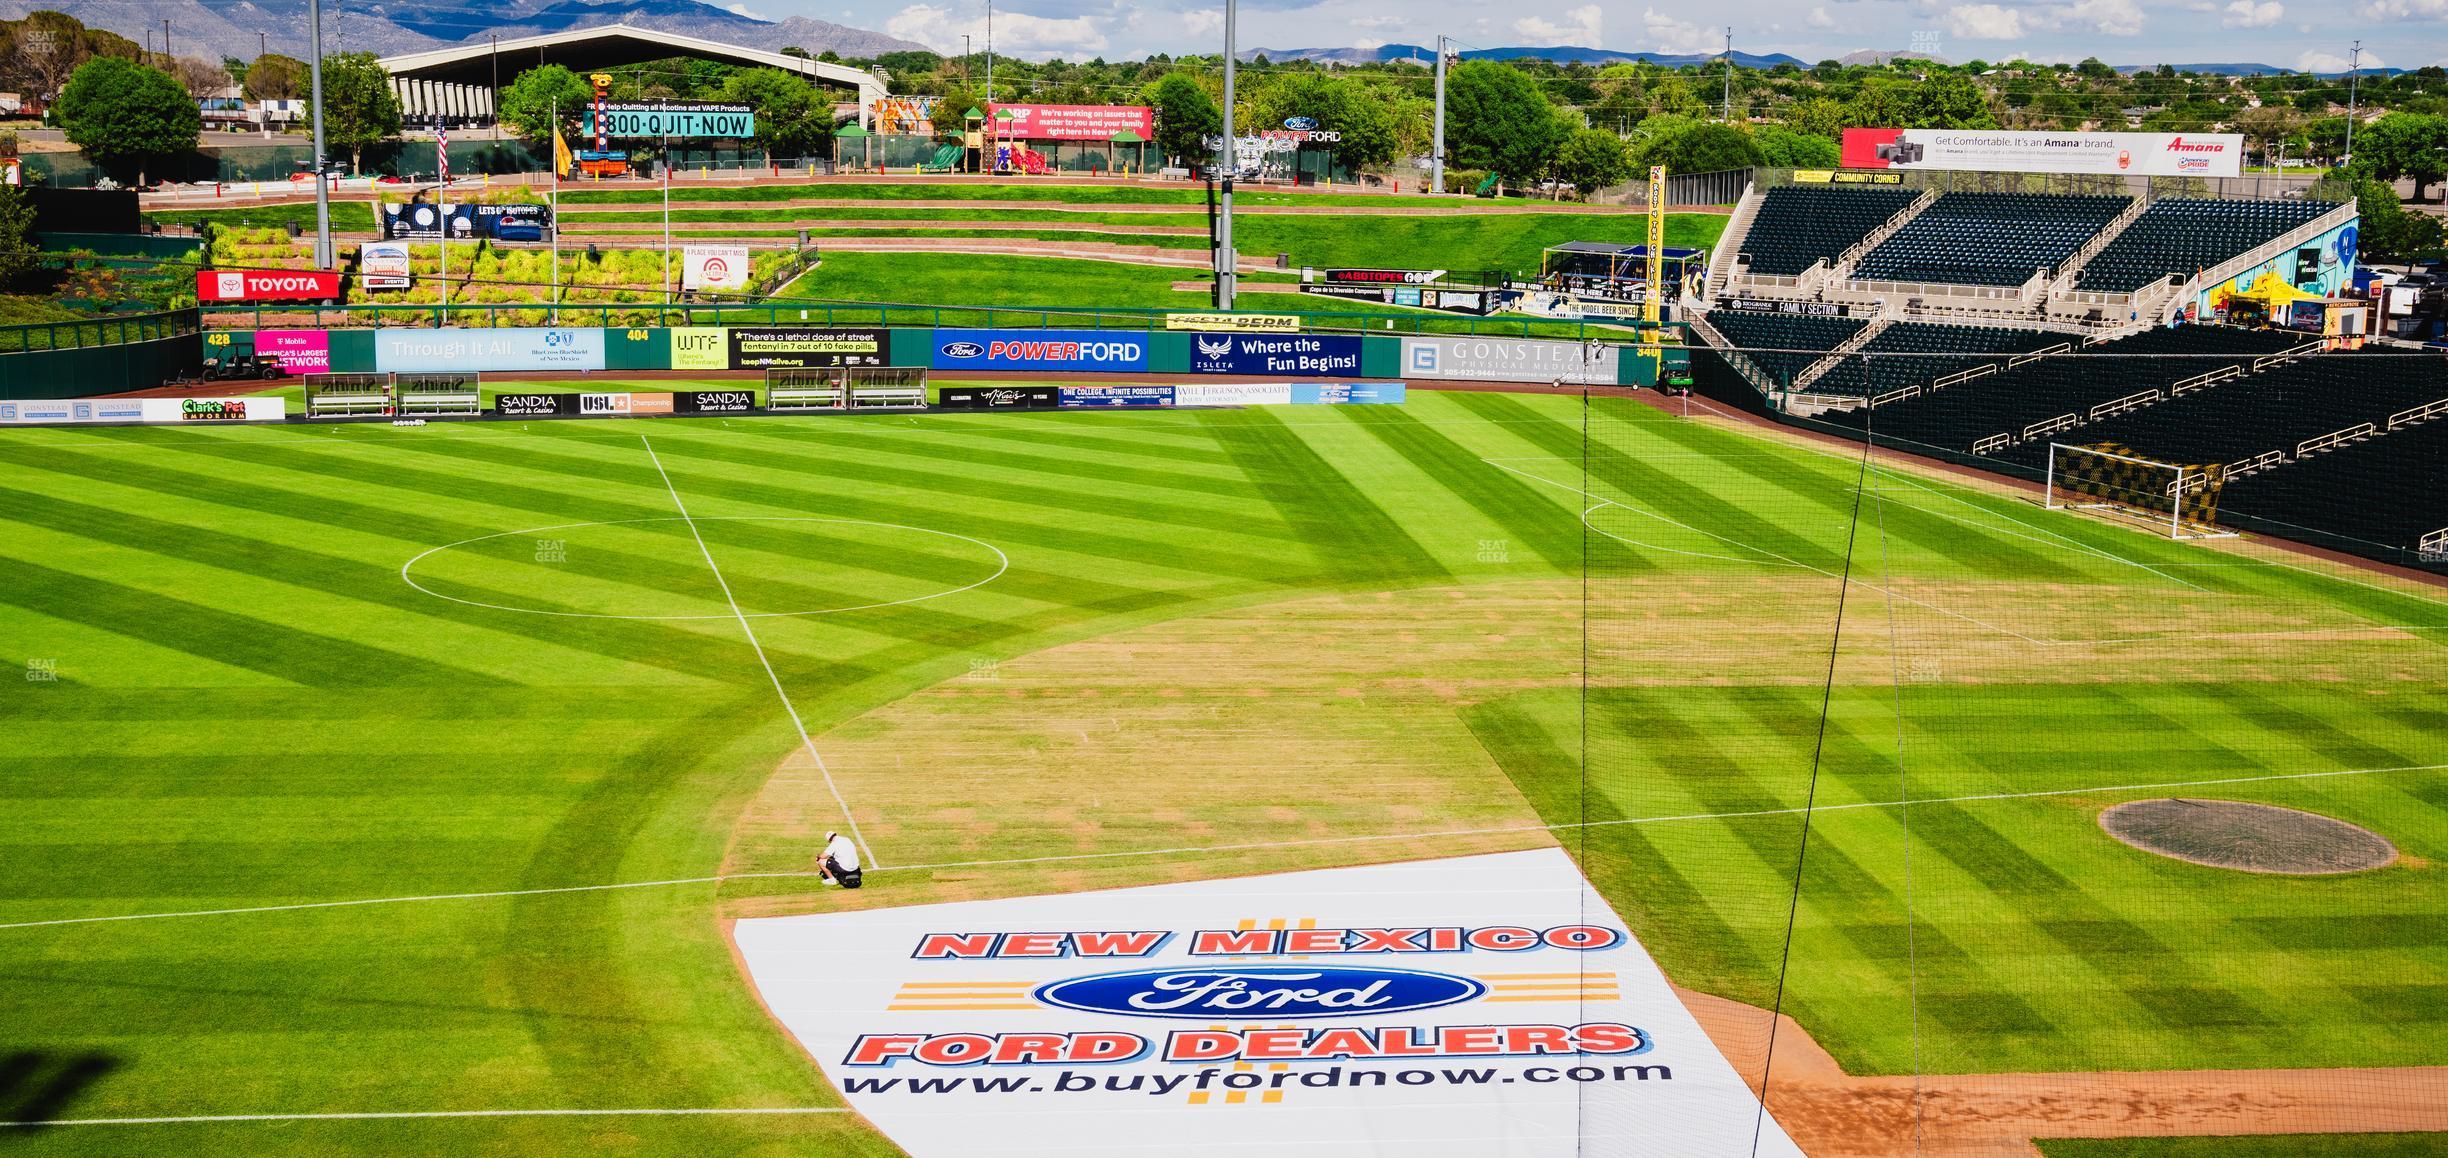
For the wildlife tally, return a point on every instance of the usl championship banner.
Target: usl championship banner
(1465, 1007)
(2106, 154)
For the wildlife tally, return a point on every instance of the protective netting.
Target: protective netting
(1862, 702)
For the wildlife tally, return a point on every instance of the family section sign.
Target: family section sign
(1487, 1004)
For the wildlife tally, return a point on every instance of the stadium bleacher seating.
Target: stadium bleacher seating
(1938, 351)
(1754, 333)
(2272, 410)
(2183, 235)
(1962, 414)
(1798, 225)
(2341, 492)
(1989, 238)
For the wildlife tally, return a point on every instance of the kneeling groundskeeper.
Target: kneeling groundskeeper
(841, 861)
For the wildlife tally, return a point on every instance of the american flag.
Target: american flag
(442, 151)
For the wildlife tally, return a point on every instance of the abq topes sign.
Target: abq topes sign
(267, 285)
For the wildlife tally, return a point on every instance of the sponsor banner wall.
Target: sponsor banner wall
(424, 221)
(714, 267)
(1112, 351)
(1071, 122)
(668, 118)
(536, 405)
(266, 285)
(1236, 323)
(1274, 354)
(997, 397)
(201, 411)
(1117, 395)
(637, 348)
(1506, 360)
(2107, 154)
(1233, 394)
(299, 351)
(1780, 306)
(51, 411)
(1383, 276)
(700, 348)
(1348, 393)
(463, 350)
(1441, 1009)
(1379, 294)
(713, 401)
(769, 347)
(603, 405)
(383, 265)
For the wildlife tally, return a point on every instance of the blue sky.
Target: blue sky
(2286, 33)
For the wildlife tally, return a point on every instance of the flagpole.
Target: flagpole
(442, 201)
(554, 312)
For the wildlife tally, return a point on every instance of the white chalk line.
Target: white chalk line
(748, 629)
(1003, 565)
(1255, 846)
(380, 1115)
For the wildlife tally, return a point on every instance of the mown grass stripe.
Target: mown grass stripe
(1506, 500)
(1343, 526)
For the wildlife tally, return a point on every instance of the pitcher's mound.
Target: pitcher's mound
(2256, 838)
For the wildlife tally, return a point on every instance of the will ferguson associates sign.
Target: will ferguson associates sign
(1441, 1009)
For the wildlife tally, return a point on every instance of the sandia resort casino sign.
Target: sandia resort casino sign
(1473, 1006)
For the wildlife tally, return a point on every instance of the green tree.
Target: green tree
(530, 104)
(1593, 159)
(2403, 145)
(17, 250)
(1496, 119)
(1701, 147)
(1365, 130)
(2388, 229)
(359, 108)
(274, 77)
(124, 114)
(1787, 148)
(1818, 116)
(1948, 100)
(793, 118)
(1185, 117)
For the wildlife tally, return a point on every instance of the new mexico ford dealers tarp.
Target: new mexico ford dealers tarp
(1268, 354)
(1508, 360)
(463, 350)
(1484, 1005)
(1105, 350)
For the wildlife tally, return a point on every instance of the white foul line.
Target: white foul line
(1260, 845)
(809, 742)
(193, 1119)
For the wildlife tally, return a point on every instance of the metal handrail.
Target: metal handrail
(2334, 438)
(2133, 401)
(2422, 413)
(1993, 442)
(2051, 425)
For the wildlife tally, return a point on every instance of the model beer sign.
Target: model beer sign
(671, 119)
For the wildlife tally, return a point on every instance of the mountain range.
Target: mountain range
(217, 28)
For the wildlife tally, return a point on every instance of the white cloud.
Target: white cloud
(2107, 17)
(1202, 24)
(744, 10)
(1377, 22)
(2315, 60)
(1678, 37)
(1819, 17)
(1984, 22)
(1016, 33)
(1580, 27)
(2409, 9)
(2247, 14)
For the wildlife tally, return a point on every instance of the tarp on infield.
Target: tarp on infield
(1095, 1022)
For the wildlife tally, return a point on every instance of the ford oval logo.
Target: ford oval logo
(962, 350)
(1259, 991)
(1300, 124)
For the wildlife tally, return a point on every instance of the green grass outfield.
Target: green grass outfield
(250, 707)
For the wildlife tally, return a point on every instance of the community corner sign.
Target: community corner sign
(1471, 1006)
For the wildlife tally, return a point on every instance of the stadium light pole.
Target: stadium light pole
(324, 259)
(2354, 77)
(1725, 112)
(1226, 267)
(1436, 147)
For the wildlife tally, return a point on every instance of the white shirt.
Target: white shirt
(844, 852)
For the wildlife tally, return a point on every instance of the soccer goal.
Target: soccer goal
(2178, 498)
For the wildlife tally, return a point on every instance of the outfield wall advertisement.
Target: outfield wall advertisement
(157, 411)
(2104, 154)
(1107, 351)
(463, 350)
(1269, 354)
(1462, 1007)
(1508, 360)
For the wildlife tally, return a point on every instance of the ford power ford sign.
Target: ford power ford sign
(1273, 354)
(1110, 351)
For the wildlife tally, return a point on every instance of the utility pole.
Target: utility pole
(167, 55)
(990, 55)
(1726, 112)
(493, 102)
(1436, 148)
(263, 45)
(2354, 78)
(324, 259)
(1227, 269)
(964, 59)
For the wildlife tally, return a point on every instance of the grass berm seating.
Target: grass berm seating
(2272, 410)
(1938, 350)
(1798, 225)
(1762, 337)
(2006, 402)
(2389, 491)
(1989, 238)
(2183, 235)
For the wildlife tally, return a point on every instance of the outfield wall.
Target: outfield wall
(753, 349)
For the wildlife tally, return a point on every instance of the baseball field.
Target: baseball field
(375, 790)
